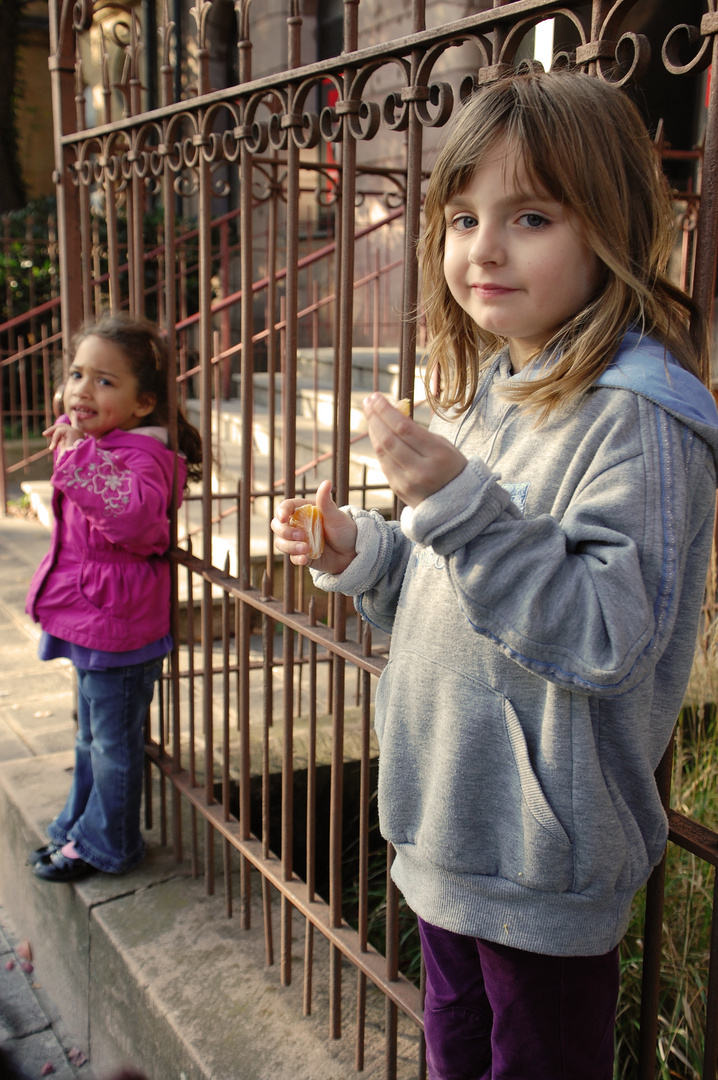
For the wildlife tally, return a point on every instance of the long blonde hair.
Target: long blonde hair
(584, 144)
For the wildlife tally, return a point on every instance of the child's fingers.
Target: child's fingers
(324, 499)
(50, 432)
(285, 509)
(390, 430)
(416, 462)
(379, 406)
(288, 539)
(339, 533)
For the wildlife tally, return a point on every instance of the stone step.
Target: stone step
(151, 973)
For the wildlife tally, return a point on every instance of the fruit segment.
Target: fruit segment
(309, 519)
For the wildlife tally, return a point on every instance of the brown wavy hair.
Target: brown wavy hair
(583, 143)
(145, 347)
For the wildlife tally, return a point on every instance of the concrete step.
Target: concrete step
(150, 972)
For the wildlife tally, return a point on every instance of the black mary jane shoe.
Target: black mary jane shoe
(41, 853)
(57, 867)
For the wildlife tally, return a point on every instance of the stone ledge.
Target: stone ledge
(148, 971)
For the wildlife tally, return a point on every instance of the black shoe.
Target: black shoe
(57, 867)
(42, 853)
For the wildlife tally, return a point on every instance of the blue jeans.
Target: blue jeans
(102, 812)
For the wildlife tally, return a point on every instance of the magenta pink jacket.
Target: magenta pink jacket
(105, 582)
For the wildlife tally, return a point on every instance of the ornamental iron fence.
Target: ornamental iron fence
(253, 179)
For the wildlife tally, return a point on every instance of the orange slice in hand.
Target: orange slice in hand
(309, 519)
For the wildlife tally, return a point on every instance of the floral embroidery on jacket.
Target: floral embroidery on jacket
(106, 479)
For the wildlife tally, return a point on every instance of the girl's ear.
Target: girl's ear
(145, 404)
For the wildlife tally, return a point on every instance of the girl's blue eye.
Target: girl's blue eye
(462, 222)
(533, 220)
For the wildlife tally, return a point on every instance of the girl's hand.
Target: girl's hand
(340, 533)
(416, 462)
(63, 437)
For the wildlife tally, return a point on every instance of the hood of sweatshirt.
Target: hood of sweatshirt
(655, 374)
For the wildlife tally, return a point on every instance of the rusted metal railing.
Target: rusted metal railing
(285, 176)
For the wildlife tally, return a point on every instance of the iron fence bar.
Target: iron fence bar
(295, 621)
(29, 350)
(693, 837)
(652, 938)
(3, 459)
(205, 358)
(705, 266)
(343, 938)
(244, 503)
(710, 1048)
(267, 721)
(450, 33)
(41, 309)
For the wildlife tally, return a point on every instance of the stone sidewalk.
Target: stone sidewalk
(35, 719)
(31, 1027)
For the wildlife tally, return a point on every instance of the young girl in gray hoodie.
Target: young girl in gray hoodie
(544, 584)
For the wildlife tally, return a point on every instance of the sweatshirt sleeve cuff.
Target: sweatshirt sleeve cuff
(458, 512)
(372, 544)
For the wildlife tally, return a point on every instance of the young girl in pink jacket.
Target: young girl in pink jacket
(102, 593)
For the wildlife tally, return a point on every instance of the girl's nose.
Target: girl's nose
(486, 247)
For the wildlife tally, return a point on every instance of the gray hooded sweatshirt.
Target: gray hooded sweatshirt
(543, 608)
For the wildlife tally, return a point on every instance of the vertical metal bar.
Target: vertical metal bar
(3, 459)
(311, 812)
(392, 965)
(225, 701)
(22, 377)
(194, 859)
(96, 267)
(343, 402)
(271, 320)
(86, 264)
(245, 505)
(46, 377)
(412, 221)
(226, 749)
(364, 800)
(170, 321)
(652, 938)
(113, 261)
(710, 1049)
(62, 77)
(205, 379)
(707, 239)
(268, 709)
(294, 23)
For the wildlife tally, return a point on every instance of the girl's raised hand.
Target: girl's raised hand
(339, 533)
(63, 437)
(416, 462)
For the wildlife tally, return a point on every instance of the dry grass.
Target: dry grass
(689, 889)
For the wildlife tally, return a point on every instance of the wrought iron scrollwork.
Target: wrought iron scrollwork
(335, 100)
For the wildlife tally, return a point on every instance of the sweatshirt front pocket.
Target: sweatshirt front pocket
(457, 782)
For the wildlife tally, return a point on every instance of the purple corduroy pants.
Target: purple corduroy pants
(497, 1013)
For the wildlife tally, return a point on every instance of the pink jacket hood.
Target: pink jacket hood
(105, 582)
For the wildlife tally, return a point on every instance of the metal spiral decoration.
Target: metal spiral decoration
(213, 127)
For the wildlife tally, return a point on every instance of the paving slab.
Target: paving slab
(32, 1029)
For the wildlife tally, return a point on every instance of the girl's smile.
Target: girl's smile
(101, 391)
(513, 259)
